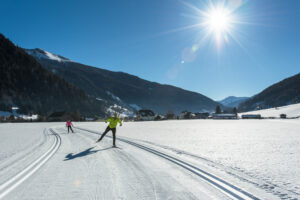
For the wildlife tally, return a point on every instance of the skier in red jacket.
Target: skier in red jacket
(69, 125)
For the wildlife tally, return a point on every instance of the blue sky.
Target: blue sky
(147, 39)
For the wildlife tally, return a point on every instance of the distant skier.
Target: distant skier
(113, 122)
(69, 125)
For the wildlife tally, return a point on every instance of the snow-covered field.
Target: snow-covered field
(290, 110)
(192, 159)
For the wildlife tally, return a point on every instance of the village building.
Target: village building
(145, 115)
(224, 116)
(251, 116)
(203, 115)
(159, 117)
(186, 115)
(89, 119)
(283, 116)
(170, 115)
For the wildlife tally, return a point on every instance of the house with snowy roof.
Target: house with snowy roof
(186, 115)
(224, 116)
(145, 115)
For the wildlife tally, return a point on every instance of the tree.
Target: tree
(170, 115)
(77, 116)
(234, 111)
(218, 109)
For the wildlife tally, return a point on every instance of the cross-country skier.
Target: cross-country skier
(69, 125)
(113, 122)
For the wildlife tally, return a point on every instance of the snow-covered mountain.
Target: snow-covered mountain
(122, 89)
(233, 101)
(42, 54)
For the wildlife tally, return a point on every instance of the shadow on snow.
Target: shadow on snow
(86, 152)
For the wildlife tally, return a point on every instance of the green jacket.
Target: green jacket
(113, 122)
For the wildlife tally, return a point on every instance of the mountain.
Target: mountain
(26, 84)
(282, 93)
(122, 89)
(233, 101)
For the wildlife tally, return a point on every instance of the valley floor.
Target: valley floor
(193, 159)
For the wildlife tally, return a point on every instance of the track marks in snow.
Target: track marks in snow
(232, 191)
(161, 179)
(15, 163)
(84, 176)
(128, 179)
(82, 170)
(134, 179)
(13, 182)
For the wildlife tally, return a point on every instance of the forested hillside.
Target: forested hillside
(26, 84)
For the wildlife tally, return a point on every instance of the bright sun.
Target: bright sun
(218, 20)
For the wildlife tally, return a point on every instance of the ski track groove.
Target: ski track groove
(91, 165)
(151, 190)
(267, 185)
(25, 173)
(132, 164)
(225, 187)
(27, 152)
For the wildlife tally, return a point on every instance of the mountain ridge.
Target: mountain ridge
(130, 89)
(26, 84)
(232, 101)
(284, 92)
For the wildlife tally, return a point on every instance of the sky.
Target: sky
(167, 41)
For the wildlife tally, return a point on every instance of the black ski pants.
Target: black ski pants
(113, 130)
(70, 127)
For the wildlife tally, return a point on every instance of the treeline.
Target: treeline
(226, 110)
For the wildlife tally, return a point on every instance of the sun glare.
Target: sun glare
(218, 20)
(218, 24)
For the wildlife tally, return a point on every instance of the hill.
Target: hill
(26, 84)
(282, 93)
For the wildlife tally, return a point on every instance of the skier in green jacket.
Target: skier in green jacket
(113, 122)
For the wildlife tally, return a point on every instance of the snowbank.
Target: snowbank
(290, 110)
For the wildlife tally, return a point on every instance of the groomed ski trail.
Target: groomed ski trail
(81, 169)
(228, 189)
(16, 180)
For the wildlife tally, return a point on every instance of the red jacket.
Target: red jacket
(69, 123)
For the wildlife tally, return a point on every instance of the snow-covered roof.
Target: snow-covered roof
(225, 115)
